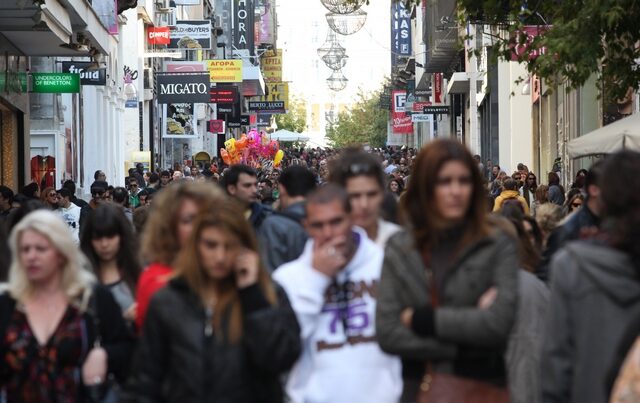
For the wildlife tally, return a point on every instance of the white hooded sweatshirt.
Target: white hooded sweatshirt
(334, 368)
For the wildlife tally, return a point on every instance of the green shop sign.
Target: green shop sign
(55, 83)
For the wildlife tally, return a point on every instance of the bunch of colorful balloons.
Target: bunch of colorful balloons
(250, 148)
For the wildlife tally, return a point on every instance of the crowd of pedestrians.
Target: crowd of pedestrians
(385, 275)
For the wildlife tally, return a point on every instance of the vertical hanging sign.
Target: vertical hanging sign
(400, 120)
(244, 25)
(400, 32)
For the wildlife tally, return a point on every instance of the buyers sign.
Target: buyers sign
(190, 35)
(183, 88)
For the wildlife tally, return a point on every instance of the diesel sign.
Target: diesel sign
(183, 88)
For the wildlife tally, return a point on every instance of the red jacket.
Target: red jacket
(152, 279)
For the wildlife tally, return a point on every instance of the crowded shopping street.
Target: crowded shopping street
(319, 201)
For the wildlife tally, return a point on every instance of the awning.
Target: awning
(287, 135)
(252, 80)
(623, 134)
(459, 83)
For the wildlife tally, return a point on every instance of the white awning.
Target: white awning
(623, 134)
(287, 135)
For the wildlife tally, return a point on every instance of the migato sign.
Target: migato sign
(183, 88)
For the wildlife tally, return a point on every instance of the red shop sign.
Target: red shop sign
(158, 35)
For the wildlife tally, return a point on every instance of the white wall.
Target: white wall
(515, 118)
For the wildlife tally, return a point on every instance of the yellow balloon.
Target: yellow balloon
(230, 145)
(278, 158)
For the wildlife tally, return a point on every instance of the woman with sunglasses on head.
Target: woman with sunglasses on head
(220, 331)
(49, 197)
(448, 292)
(60, 332)
(168, 228)
(108, 241)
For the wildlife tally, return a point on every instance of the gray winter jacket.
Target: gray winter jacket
(282, 236)
(595, 294)
(523, 352)
(489, 262)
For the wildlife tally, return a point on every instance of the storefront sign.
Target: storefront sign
(225, 71)
(184, 67)
(190, 35)
(400, 31)
(437, 88)
(531, 31)
(276, 100)
(271, 67)
(55, 83)
(179, 121)
(87, 77)
(225, 109)
(436, 110)
(183, 88)
(401, 122)
(421, 117)
(266, 25)
(227, 94)
(243, 24)
(419, 106)
(263, 120)
(158, 36)
(215, 126)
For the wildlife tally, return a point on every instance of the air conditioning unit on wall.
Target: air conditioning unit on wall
(165, 13)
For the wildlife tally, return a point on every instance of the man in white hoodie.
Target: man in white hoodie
(333, 287)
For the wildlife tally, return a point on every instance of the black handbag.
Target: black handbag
(107, 391)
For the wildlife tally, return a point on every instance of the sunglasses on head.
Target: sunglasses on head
(359, 169)
(53, 195)
(576, 204)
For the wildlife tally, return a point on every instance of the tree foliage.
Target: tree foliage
(364, 122)
(583, 38)
(295, 119)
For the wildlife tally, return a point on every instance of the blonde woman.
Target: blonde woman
(51, 316)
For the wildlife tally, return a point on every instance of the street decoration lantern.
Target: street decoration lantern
(342, 6)
(335, 59)
(347, 24)
(337, 81)
(331, 43)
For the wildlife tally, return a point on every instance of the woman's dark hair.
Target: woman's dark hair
(30, 190)
(108, 220)
(554, 179)
(529, 255)
(400, 185)
(536, 232)
(355, 162)
(621, 200)
(419, 199)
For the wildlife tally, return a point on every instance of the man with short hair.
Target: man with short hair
(241, 182)
(99, 176)
(282, 235)
(391, 166)
(121, 199)
(71, 187)
(332, 289)
(511, 194)
(98, 196)
(70, 213)
(165, 178)
(134, 190)
(139, 175)
(6, 199)
(361, 175)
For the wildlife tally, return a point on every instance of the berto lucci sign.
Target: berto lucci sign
(183, 88)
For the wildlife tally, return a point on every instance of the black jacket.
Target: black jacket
(179, 361)
(282, 236)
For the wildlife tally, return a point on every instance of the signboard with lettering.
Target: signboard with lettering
(158, 36)
(276, 100)
(436, 110)
(400, 120)
(225, 71)
(224, 94)
(190, 35)
(179, 121)
(243, 24)
(400, 31)
(55, 83)
(87, 77)
(272, 67)
(183, 88)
